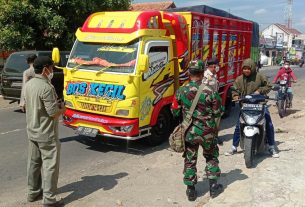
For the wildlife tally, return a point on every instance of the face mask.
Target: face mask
(217, 69)
(286, 66)
(50, 76)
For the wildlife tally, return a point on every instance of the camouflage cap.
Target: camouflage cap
(196, 65)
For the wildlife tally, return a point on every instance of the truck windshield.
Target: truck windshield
(118, 58)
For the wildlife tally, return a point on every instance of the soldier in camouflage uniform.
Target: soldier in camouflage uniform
(201, 132)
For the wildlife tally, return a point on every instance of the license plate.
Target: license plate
(16, 84)
(86, 131)
(94, 107)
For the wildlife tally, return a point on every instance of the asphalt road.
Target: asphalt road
(77, 152)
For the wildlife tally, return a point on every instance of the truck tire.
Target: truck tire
(249, 144)
(161, 131)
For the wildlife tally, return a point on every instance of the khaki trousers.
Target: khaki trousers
(43, 169)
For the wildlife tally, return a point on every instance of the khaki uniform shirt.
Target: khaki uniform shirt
(27, 75)
(41, 106)
(210, 80)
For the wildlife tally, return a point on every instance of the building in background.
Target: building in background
(152, 6)
(280, 41)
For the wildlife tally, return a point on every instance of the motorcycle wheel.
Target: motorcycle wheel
(241, 143)
(249, 144)
(281, 106)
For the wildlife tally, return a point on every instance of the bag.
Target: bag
(177, 137)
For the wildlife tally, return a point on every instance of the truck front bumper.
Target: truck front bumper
(120, 128)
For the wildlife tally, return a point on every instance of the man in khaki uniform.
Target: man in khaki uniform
(42, 128)
(210, 79)
(210, 74)
(27, 75)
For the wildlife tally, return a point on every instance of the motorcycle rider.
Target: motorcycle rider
(286, 73)
(252, 82)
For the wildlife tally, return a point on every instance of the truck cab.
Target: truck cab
(119, 79)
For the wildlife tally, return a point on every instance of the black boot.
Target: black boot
(191, 193)
(215, 188)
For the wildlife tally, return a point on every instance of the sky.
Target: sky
(264, 12)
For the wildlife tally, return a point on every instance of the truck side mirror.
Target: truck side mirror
(55, 55)
(143, 63)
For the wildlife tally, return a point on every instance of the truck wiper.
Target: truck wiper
(75, 68)
(103, 69)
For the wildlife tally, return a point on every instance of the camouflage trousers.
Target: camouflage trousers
(210, 153)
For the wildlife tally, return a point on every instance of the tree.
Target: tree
(43, 24)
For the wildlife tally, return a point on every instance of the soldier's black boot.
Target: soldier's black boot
(191, 193)
(215, 188)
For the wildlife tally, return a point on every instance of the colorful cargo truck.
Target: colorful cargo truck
(124, 68)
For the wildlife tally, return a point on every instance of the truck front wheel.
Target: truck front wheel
(161, 131)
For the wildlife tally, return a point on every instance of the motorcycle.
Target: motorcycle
(253, 126)
(283, 100)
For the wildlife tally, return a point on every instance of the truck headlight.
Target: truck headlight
(69, 104)
(122, 112)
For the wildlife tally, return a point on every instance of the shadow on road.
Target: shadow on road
(227, 138)
(225, 179)
(103, 144)
(277, 143)
(292, 111)
(90, 184)
(19, 111)
(282, 149)
(231, 120)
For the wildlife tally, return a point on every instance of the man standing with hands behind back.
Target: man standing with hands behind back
(42, 116)
(211, 81)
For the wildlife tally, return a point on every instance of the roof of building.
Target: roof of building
(155, 6)
(288, 30)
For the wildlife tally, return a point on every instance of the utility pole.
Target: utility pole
(288, 13)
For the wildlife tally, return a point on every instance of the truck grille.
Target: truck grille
(94, 107)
